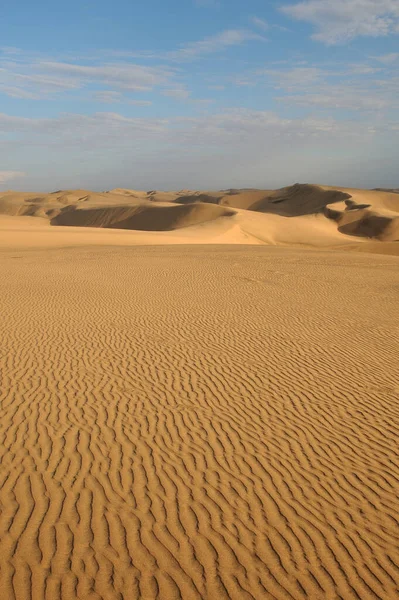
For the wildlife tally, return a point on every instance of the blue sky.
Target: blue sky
(198, 93)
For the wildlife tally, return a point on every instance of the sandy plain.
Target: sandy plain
(206, 412)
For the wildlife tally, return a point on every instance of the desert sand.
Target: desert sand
(302, 215)
(199, 395)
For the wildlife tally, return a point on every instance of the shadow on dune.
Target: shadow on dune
(358, 220)
(298, 200)
(142, 217)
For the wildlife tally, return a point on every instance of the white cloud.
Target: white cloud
(34, 78)
(9, 175)
(260, 23)
(107, 97)
(231, 148)
(38, 78)
(291, 79)
(178, 92)
(125, 76)
(17, 92)
(242, 125)
(77, 131)
(339, 21)
(341, 98)
(353, 87)
(387, 59)
(362, 69)
(213, 44)
(113, 97)
(140, 102)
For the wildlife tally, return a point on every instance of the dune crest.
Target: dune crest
(321, 216)
(142, 217)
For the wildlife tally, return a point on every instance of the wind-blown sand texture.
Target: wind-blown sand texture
(187, 413)
(196, 421)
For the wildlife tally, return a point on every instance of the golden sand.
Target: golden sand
(181, 419)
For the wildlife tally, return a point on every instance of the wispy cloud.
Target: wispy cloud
(130, 77)
(247, 146)
(345, 98)
(113, 97)
(36, 78)
(260, 23)
(77, 128)
(291, 79)
(339, 21)
(10, 175)
(387, 59)
(241, 124)
(179, 92)
(214, 44)
(18, 92)
(346, 87)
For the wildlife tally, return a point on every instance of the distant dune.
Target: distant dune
(393, 190)
(304, 215)
(142, 217)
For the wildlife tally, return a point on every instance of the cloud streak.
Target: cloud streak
(35, 79)
(350, 87)
(340, 21)
(241, 125)
(235, 147)
(214, 44)
(260, 23)
(10, 175)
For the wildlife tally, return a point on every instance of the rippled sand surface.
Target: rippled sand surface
(198, 422)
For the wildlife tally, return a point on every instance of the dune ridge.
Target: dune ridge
(141, 217)
(348, 217)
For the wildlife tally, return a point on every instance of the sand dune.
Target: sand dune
(298, 200)
(393, 190)
(358, 220)
(197, 422)
(324, 216)
(142, 217)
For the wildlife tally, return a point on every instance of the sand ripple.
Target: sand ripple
(189, 423)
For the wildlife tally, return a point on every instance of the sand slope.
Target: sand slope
(198, 423)
(142, 217)
(346, 216)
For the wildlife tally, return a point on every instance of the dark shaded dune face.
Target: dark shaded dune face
(142, 217)
(52, 212)
(390, 190)
(365, 223)
(361, 221)
(298, 200)
(351, 205)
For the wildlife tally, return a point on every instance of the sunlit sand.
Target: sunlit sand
(206, 407)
